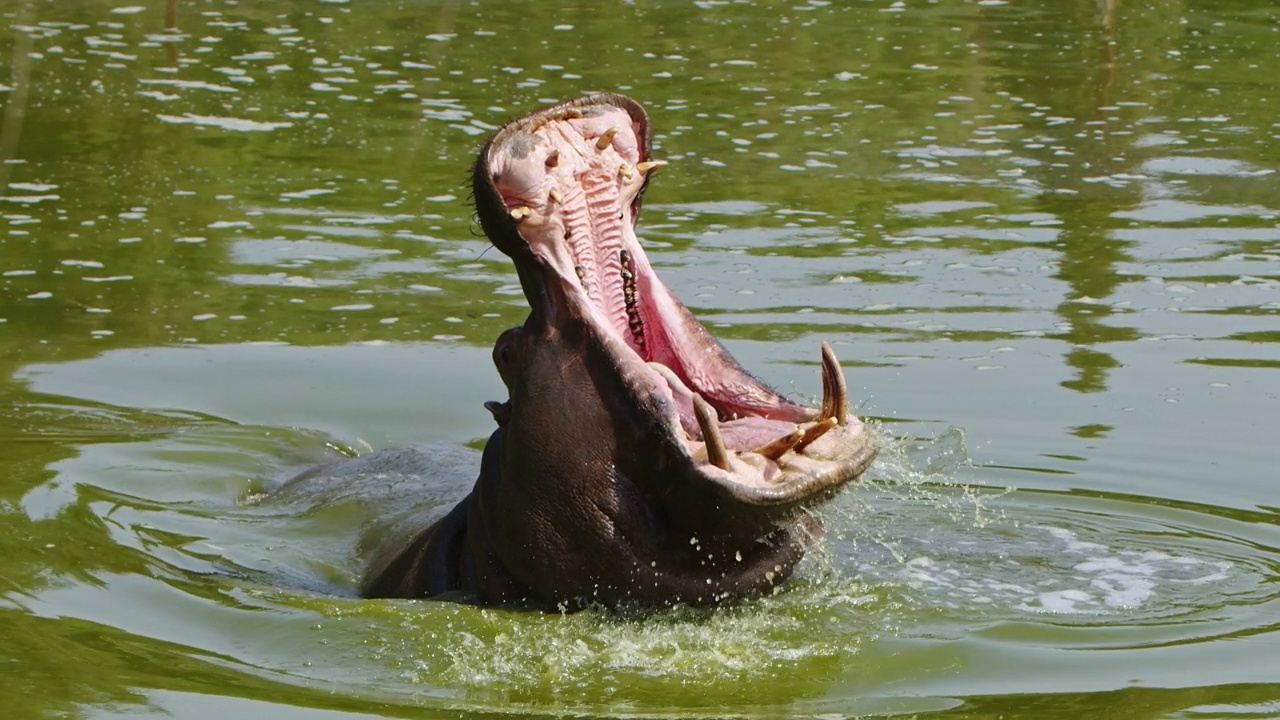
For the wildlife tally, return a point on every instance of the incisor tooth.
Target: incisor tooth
(520, 213)
(648, 165)
(835, 396)
(606, 139)
(555, 196)
(716, 453)
(624, 171)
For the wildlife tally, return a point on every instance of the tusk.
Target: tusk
(520, 213)
(716, 453)
(835, 396)
(815, 431)
(774, 448)
(606, 139)
(648, 165)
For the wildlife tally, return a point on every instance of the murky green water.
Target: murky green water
(1044, 236)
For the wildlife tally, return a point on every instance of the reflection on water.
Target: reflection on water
(236, 236)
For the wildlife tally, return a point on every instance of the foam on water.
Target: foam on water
(762, 652)
(1108, 579)
(992, 550)
(1050, 570)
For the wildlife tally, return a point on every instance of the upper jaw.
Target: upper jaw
(611, 122)
(560, 191)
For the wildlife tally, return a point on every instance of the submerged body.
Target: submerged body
(635, 461)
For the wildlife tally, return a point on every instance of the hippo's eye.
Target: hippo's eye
(506, 352)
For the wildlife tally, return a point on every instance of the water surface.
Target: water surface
(1042, 235)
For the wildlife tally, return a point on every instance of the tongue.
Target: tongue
(753, 432)
(746, 433)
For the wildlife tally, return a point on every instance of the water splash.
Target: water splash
(927, 537)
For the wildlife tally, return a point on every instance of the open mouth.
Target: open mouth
(570, 180)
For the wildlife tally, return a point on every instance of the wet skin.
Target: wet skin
(635, 462)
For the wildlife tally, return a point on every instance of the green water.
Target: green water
(1044, 236)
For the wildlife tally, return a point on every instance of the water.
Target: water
(1043, 237)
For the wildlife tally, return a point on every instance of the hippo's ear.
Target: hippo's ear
(501, 411)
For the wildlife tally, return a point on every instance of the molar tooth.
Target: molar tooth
(653, 165)
(815, 431)
(775, 448)
(520, 213)
(606, 139)
(716, 453)
(835, 396)
(554, 196)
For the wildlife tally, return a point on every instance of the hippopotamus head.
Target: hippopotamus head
(635, 459)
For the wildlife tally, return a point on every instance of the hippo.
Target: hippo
(635, 462)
